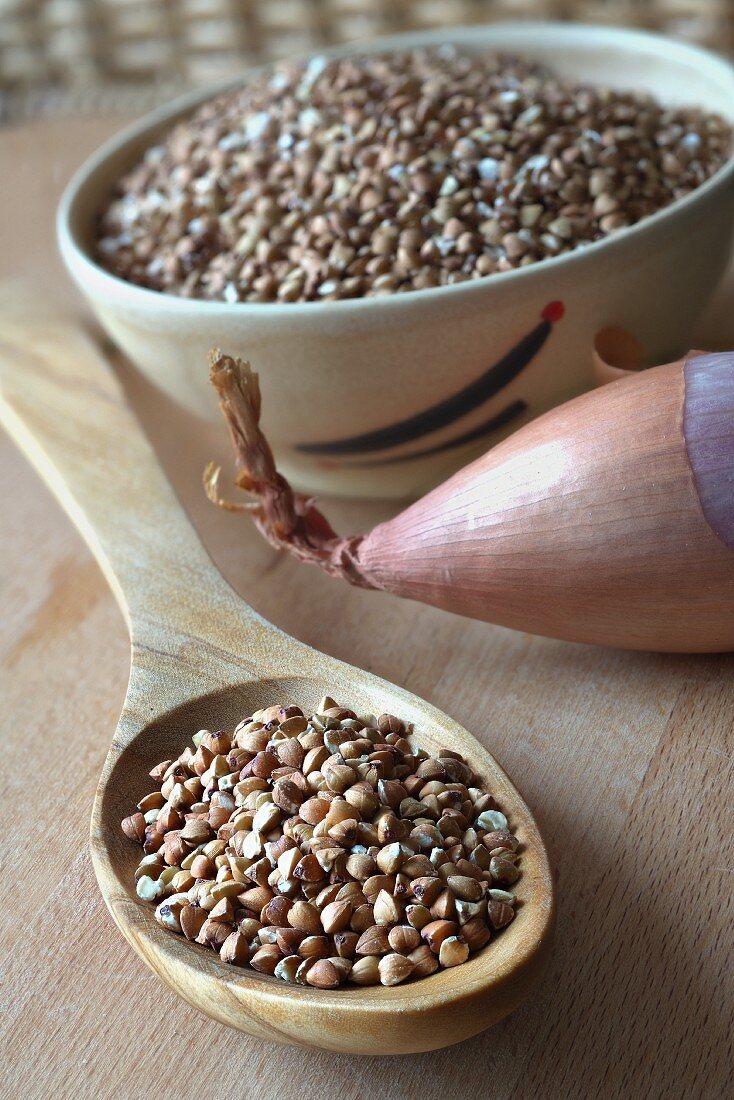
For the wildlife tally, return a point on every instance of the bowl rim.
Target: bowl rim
(83, 267)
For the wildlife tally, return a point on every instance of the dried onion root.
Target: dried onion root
(288, 520)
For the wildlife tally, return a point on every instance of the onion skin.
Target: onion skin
(609, 520)
(708, 428)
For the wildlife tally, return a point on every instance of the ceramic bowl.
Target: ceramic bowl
(341, 379)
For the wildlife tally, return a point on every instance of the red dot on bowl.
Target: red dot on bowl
(553, 312)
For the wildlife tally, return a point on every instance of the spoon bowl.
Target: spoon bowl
(202, 658)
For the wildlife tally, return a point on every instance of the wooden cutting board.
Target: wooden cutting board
(625, 758)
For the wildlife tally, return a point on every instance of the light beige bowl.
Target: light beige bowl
(336, 370)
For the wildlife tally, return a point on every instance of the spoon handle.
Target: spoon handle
(61, 402)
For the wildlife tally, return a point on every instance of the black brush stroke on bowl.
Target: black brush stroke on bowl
(485, 428)
(451, 408)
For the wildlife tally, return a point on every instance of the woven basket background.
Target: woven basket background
(119, 52)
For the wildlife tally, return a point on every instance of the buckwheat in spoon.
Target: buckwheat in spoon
(327, 860)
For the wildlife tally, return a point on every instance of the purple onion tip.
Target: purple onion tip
(708, 428)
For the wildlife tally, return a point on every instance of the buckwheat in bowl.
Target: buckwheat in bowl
(413, 240)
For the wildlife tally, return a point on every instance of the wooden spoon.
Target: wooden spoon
(202, 658)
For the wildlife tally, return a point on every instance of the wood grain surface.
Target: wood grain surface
(625, 759)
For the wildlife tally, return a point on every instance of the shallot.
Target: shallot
(608, 520)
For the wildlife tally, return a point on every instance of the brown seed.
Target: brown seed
(418, 916)
(469, 910)
(291, 753)
(362, 798)
(390, 828)
(444, 907)
(373, 941)
(202, 759)
(326, 895)
(247, 786)
(302, 971)
(342, 966)
(308, 869)
(426, 890)
(403, 939)
(287, 861)
(386, 909)
(338, 776)
(394, 969)
(158, 773)
(153, 801)
(468, 870)
(401, 891)
(257, 898)
(424, 961)
(437, 931)
(203, 867)
(314, 758)
(225, 888)
(248, 926)
(219, 743)
(372, 887)
(367, 835)
(259, 872)
(288, 940)
(330, 859)
(287, 796)
(196, 832)
(314, 947)
(366, 971)
(338, 810)
(182, 882)
(430, 769)
(391, 792)
(453, 951)
(351, 890)
(361, 867)
(293, 725)
(235, 949)
(500, 838)
(362, 918)
(461, 886)
(276, 912)
(323, 975)
(287, 968)
(253, 739)
(266, 958)
(346, 944)
(503, 871)
(344, 833)
(174, 848)
(305, 917)
(263, 764)
(134, 827)
(475, 933)
(390, 858)
(223, 910)
(500, 914)
(214, 933)
(418, 866)
(335, 917)
(191, 919)
(388, 723)
(314, 810)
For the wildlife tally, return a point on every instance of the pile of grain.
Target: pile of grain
(380, 174)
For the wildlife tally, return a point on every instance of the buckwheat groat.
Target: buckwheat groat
(380, 174)
(326, 849)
